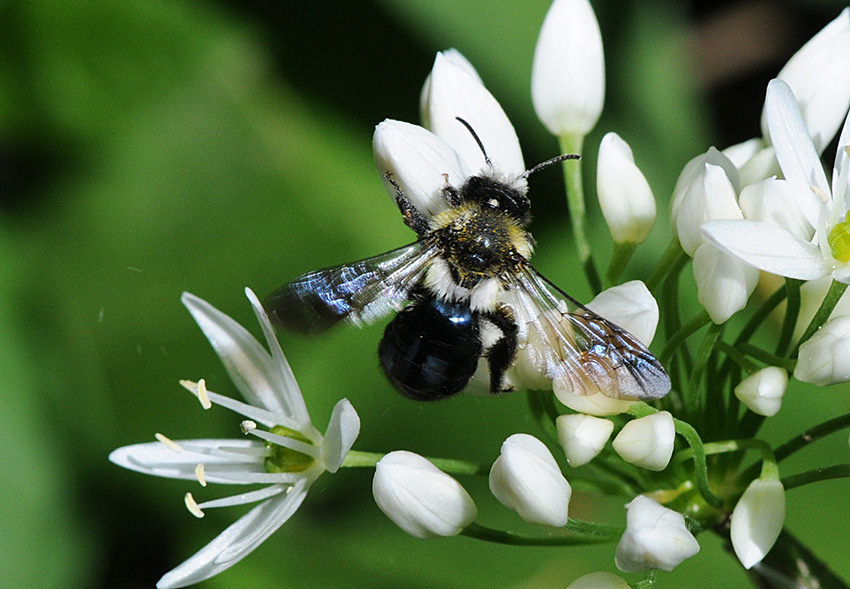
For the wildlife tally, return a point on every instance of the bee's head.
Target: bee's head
(506, 195)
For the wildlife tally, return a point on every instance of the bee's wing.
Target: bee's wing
(360, 292)
(579, 350)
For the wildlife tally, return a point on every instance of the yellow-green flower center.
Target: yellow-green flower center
(839, 240)
(281, 459)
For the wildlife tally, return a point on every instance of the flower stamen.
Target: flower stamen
(199, 472)
(192, 506)
(169, 442)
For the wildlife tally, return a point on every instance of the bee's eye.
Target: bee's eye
(496, 195)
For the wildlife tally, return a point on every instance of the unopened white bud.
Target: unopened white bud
(582, 436)
(655, 538)
(825, 358)
(568, 91)
(757, 520)
(526, 479)
(762, 391)
(421, 499)
(625, 197)
(599, 580)
(647, 441)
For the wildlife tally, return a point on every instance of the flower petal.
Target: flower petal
(794, 149)
(768, 248)
(724, 282)
(454, 92)
(250, 367)
(757, 520)
(155, 458)
(459, 60)
(420, 163)
(820, 79)
(238, 540)
(343, 430)
(631, 306)
(289, 394)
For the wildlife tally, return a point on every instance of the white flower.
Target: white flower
(762, 391)
(423, 160)
(582, 436)
(632, 307)
(526, 478)
(824, 359)
(724, 283)
(287, 457)
(625, 197)
(655, 538)
(773, 248)
(599, 580)
(647, 441)
(568, 73)
(421, 499)
(693, 173)
(757, 520)
(820, 79)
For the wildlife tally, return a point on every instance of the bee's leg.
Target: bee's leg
(450, 193)
(501, 354)
(412, 217)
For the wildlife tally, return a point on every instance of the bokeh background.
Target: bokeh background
(149, 147)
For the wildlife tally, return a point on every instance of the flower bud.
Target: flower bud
(526, 478)
(421, 499)
(420, 164)
(582, 436)
(825, 358)
(631, 306)
(647, 441)
(724, 283)
(599, 580)
(624, 194)
(568, 73)
(819, 76)
(757, 520)
(655, 538)
(696, 167)
(711, 195)
(762, 391)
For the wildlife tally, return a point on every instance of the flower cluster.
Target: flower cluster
(739, 215)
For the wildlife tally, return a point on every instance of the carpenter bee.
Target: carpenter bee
(468, 300)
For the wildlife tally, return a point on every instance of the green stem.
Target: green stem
(671, 256)
(590, 534)
(358, 459)
(792, 311)
(824, 473)
(621, 256)
(675, 341)
(543, 411)
(575, 202)
(833, 295)
(812, 435)
(691, 436)
(736, 356)
(766, 357)
(693, 401)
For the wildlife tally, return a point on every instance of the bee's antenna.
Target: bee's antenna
(547, 163)
(477, 140)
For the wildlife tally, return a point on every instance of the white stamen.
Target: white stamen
(169, 442)
(192, 506)
(248, 426)
(820, 194)
(202, 394)
(199, 472)
(199, 389)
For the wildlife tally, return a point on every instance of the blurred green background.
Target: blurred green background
(149, 147)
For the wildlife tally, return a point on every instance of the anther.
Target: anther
(199, 472)
(169, 442)
(192, 506)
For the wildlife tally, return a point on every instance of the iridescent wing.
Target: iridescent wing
(360, 292)
(578, 350)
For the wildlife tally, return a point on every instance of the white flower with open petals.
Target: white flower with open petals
(287, 456)
(773, 248)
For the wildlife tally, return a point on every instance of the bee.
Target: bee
(468, 300)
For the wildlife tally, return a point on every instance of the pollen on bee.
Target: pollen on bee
(168, 442)
(192, 506)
